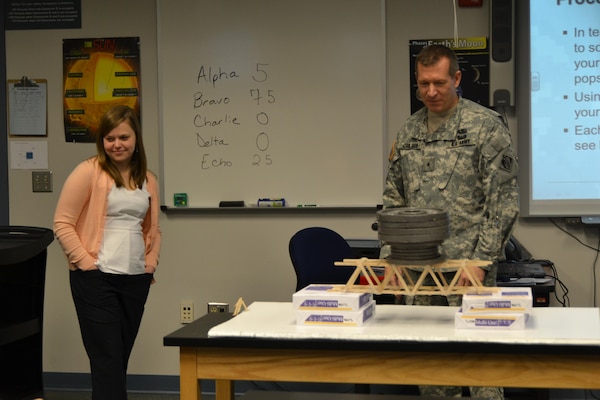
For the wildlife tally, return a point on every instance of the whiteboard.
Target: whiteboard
(272, 99)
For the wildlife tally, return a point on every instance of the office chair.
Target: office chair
(314, 251)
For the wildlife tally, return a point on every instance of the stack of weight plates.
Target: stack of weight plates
(414, 234)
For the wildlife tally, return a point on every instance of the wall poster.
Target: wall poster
(27, 107)
(98, 74)
(42, 14)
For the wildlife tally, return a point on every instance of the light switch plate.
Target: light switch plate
(41, 181)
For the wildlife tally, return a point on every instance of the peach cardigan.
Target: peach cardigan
(80, 216)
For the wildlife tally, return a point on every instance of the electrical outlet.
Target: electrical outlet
(41, 181)
(214, 307)
(187, 312)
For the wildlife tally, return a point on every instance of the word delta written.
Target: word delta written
(212, 141)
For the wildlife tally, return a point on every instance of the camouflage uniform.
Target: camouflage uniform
(467, 168)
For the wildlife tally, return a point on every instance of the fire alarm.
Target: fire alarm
(470, 3)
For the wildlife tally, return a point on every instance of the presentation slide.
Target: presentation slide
(565, 100)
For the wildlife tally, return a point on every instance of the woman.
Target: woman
(106, 222)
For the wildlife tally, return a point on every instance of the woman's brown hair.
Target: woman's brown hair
(109, 121)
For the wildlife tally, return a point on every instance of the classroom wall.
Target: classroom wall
(209, 257)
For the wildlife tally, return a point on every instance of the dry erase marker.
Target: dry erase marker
(271, 202)
(307, 205)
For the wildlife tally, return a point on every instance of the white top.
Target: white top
(546, 325)
(123, 250)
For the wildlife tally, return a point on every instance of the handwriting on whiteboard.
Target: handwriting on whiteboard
(222, 120)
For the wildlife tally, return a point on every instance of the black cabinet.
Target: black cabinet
(23, 252)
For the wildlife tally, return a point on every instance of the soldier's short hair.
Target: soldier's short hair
(432, 54)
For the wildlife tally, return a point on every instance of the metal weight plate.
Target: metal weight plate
(436, 231)
(416, 224)
(414, 234)
(411, 214)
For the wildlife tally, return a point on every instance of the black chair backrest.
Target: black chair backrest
(314, 251)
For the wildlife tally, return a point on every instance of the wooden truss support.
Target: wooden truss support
(398, 281)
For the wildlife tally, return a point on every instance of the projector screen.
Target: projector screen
(558, 107)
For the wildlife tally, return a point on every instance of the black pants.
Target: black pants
(109, 308)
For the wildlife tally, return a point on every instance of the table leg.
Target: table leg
(224, 389)
(189, 385)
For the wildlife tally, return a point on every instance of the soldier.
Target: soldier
(455, 155)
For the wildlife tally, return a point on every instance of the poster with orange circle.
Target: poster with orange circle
(97, 75)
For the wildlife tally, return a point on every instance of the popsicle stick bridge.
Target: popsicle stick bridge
(398, 281)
